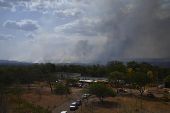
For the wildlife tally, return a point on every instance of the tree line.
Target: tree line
(42, 72)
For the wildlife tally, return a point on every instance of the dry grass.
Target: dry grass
(47, 100)
(126, 104)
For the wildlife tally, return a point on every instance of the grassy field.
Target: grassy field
(46, 99)
(125, 104)
(128, 103)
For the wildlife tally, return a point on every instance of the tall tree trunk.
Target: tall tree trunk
(28, 86)
(117, 89)
(51, 89)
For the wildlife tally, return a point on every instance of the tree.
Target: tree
(101, 91)
(3, 98)
(115, 77)
(120, 67)
(155, 75)
(137, 69)
(51, 78)
(140, 79)
(167, 79)
(115, 66)
(68, 82)
(59, 88)
(110, 66)
(17, 90)
(150, 74)
(132, 65)
(101, 72)
(145, 67)
(129, 72)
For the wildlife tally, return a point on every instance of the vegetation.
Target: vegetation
(59, 89)
(101, 91)
(116, 78)
(141, 80)
(31, 108)
(12, 77)
(167, 79)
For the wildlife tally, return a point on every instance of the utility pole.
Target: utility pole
(157, 82)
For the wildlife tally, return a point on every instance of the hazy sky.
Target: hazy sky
(83, 30)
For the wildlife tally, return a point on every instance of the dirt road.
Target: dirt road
(66, 105)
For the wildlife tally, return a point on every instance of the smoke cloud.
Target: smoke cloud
(110, 30)
(138, 29)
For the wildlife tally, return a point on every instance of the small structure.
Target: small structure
(64, 75)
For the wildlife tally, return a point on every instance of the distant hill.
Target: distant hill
(163, 63)
(14, 63)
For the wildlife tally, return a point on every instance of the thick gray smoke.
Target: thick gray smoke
(111, 30)
(139, 29)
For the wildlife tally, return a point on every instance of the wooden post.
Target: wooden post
(141, 102)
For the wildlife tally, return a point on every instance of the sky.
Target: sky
(82, 31)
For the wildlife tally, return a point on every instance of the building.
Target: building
(64, 75)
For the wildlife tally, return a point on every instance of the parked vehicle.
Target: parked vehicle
(64, 112)
(150, 95)
(85, 96)
(78, 102)
(73, 106)
(160, 87)
(122, 90)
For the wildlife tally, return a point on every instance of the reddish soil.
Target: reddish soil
(47, 99)
(51, 100)
(127, 103)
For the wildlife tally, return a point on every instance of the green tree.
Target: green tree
(120, 67)
(101, 91)
(115, 66)
(167, 79)
(50, 79)
(101, 72)
(59, 88)
(67, 84)
(116, 78)
(145, 67)
(110, 66)
(140, 79)
(132, 65)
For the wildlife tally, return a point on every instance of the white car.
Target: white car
(73, 106)
(124, 91)
(64, 112)
(85, 96)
